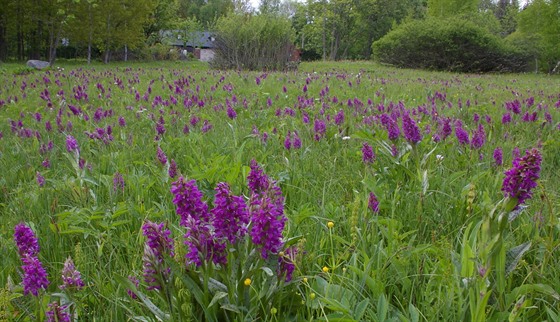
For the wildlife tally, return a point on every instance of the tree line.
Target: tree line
(323, 29)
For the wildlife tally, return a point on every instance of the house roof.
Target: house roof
(202, 39)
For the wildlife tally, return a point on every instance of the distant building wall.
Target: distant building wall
(206, 55)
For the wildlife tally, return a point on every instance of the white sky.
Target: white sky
(255, 3)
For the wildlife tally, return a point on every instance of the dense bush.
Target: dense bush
(450, 44)
(162, 52)
(254, 42)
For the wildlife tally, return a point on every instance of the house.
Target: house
(199, 43)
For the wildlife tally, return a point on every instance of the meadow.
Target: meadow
(344, 191)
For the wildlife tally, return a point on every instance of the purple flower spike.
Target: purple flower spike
(297, 140)
(122, 121)
(479, 137)
(461, 134)
(158, 244)
(118, 182)
(34, 275)
(136, 282)
(202, 246)
(522, 178)
(288, 141)
(320, 129)
(172, 169)
(231, 215)
(71, 144)
(266, 210)
(339, 118)
(257, 180)
(367, 153)
(286, 263)
(158, 239)
(26, 241)
(71, 277)
(498, 156)
(188, 200)
(410, 129)
(161, 156)
(231, 112)
(40, 179)
(267, 217)
(57, 313)
(373, 203)
(391, 125)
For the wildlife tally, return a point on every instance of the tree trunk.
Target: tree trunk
(125, 52)
(55, 39)
(324, 34)
(107, 55)
(19, 32)
(3, 45)
(90, 34)
(89, 52)
(555, 70)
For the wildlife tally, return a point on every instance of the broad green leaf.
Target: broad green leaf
(267, 270)
(382, 308)
(218, 296)
(513, 256)
(160, 315)
(530, 289)
(360, 309)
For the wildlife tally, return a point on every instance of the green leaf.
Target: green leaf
(481, 308)
(216, 286)
(500, 265)
(335, 305)
(218, 296)
(515, 213)
(267, 270)
(414, 314)
(529, 289)
(382, 308)
(513, 256)
(193, 286)
(467, 255)
(160, 315)
(360, 309)
(553, 316)
(231, 307)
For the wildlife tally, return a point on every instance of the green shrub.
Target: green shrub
(253, 42)
(450, 44)
(162, 52)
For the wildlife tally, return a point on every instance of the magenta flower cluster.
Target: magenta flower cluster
(209, 232)
(158, 245)
(230, 213)
(57, 313)
(25, 240)
(286, 263)
(34, 275)
(373, 203)
(521, 178)
(292, 140)
(197, 220)
(367, 153)
(71, 277)
(71, 144)
(410, 129)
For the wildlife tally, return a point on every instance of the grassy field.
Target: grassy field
(374, 194)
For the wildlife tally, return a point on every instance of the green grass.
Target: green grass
(416, 260)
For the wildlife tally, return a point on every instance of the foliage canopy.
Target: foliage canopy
(246, 41)
(447, 44)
